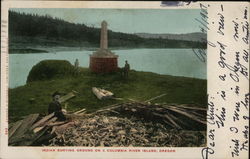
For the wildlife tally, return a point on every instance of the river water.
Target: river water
(176, 62)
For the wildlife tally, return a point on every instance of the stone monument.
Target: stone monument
(103, 60)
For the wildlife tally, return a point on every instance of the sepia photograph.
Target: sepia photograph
(107, 77)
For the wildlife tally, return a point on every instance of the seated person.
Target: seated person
(55, 107)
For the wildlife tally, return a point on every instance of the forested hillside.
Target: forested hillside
(46, 30)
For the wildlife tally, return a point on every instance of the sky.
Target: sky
(174, 21)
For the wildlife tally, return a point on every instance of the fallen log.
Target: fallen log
(101, 93)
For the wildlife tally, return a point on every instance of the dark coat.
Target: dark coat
(127, 67)
(55, 107)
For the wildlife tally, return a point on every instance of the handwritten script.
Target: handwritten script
(228, 102)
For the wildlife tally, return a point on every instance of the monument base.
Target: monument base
(103, 64)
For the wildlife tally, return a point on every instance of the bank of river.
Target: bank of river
(176, 62)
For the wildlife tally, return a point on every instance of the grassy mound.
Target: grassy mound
(49, 69)
(35, 96)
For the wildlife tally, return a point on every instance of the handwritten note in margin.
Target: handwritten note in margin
(228, 81)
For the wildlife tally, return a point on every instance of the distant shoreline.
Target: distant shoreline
(39, 50)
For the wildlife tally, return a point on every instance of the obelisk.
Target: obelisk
(103, 60)
(104, 36)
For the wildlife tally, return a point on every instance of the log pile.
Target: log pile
(171, 116)
(124, 124)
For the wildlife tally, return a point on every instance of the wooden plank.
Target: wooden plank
(154, 98)
(113, 106)
(192, 112)
(114, 111)
(83, 113)
(38, 135)
(182, 123)
(187, 115)
(51, 120)
(194, 108)
(163, 118)
(37, 129)
(15, 126)
(57, 123)
(79, 111)
(117, 98)
(41, 122)
(172, 121)
(173, 117)
(168, 123)
(29, 140)
(26, 124)
(185, 107)
(10, 125)
(199, 115)
(67, 97)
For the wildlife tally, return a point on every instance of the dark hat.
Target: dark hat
(56, 93)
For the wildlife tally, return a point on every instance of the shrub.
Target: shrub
(49, 69)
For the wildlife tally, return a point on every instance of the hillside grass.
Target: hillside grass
(35, 96)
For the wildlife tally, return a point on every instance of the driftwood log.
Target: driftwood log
(101, 93)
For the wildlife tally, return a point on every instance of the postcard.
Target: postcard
(102, 79)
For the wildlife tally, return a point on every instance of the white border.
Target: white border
(222, 135)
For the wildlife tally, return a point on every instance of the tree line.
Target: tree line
(47, 27)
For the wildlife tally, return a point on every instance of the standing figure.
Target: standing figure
(126, 68)
(76, 71)
(55, 107)
(76, 63)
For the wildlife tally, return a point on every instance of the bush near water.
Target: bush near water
(49, 69)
